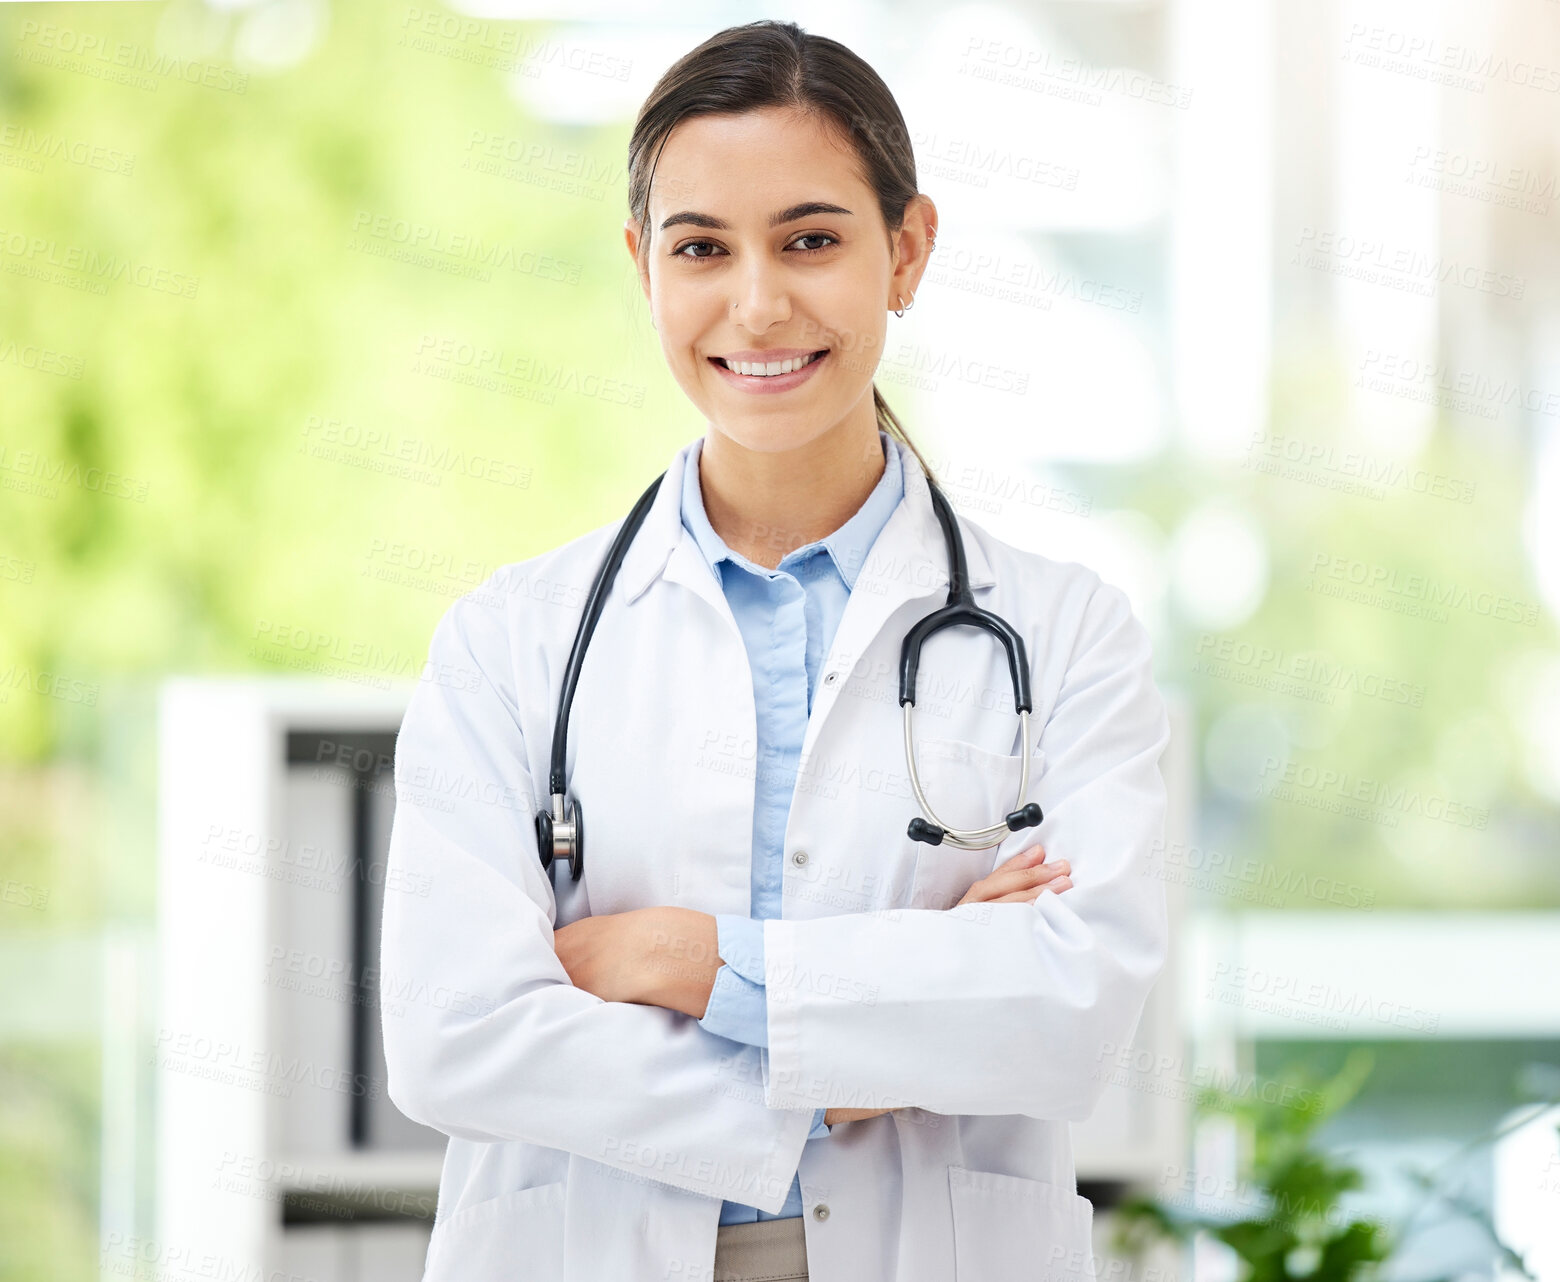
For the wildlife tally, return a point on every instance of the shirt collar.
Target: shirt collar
(664, 549)
(848, 545)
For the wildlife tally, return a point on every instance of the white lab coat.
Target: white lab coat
(594, 1141)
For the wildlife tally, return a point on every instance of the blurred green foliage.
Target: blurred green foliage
(48, 1162)
(279, 206)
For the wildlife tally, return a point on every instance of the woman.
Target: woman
(752, 1040)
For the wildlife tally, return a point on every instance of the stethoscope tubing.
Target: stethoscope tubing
(560, 832)
(971, 838)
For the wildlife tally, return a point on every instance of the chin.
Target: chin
(774, 437)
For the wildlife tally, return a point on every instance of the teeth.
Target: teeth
(770, 369)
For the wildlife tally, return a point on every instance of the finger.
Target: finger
(1005, 879)
(1057, 884)
(1024, 858)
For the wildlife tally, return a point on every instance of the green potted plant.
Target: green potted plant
(1283, 1220)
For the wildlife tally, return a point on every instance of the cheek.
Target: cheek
(682, 321)
(680, 339)
(857, 324)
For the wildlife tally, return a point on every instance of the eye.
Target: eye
(692, 244)
(815, 235)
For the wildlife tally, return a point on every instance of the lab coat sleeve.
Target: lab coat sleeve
(485, 1037)
(1001, 1008)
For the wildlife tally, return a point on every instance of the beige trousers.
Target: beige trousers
(763, 1251)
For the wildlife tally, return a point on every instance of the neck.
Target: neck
(765, 504)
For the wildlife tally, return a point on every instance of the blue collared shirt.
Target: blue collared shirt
(788, 617)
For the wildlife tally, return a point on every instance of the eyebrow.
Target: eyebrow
(805, 210)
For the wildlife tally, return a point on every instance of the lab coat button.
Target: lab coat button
(798, 857)
(821, 1211)
(831, 678)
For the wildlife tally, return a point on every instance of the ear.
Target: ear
(914, 244)
(631, 238)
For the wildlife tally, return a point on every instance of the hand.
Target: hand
(1020, 879)
(604, 954)
(659, 956)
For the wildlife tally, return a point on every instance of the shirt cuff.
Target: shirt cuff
(740, 942)
(819, 1130)
(739, 1007)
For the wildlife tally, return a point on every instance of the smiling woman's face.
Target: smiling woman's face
(726, 285)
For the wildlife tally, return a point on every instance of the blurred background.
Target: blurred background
(314, 312)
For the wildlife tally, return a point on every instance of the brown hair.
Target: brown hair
(777, 64)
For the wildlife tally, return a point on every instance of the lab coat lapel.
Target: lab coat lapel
(687, 566)
(907, 563)
(655, 548)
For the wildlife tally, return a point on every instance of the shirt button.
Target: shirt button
(798, 857)
(821, 1211)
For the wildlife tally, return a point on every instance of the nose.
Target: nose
(760, 296)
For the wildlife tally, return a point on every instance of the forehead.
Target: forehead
(754, 163)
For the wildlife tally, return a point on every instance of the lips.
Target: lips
(764, 385)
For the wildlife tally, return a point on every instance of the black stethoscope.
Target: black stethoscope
(560, 833)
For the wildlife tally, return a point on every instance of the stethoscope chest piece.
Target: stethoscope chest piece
(560, 834)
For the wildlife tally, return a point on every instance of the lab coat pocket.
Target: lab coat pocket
(515, 1235)
(1006, 1228)
(968, 787)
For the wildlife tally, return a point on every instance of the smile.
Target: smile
(771, 376)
